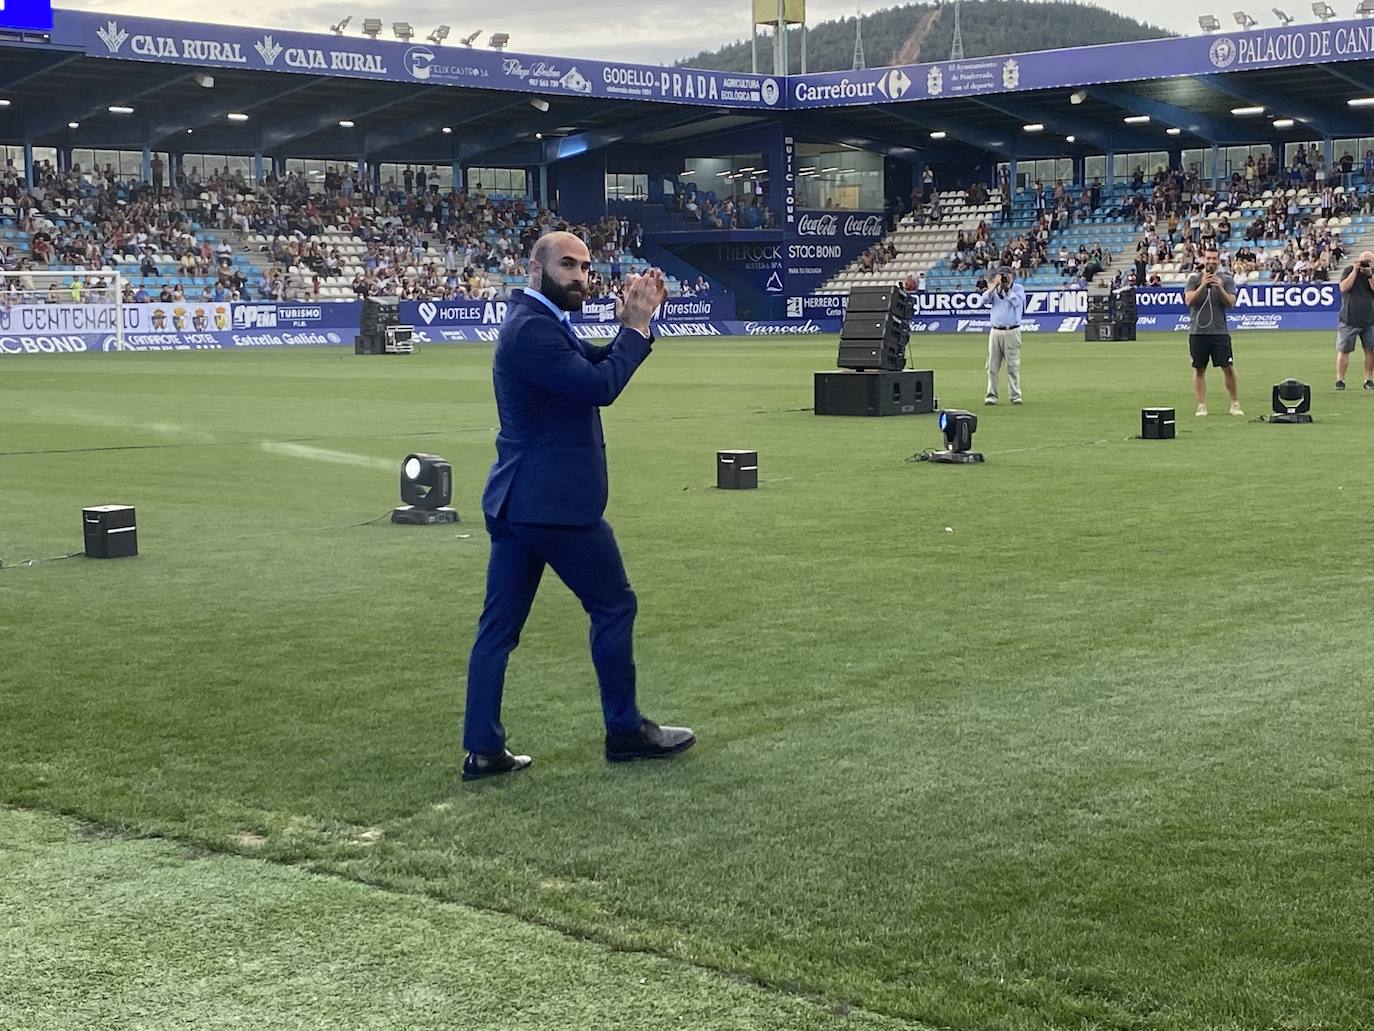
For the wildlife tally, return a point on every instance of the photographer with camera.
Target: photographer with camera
(1208, 295)
(1007, 299)
(1356, 320)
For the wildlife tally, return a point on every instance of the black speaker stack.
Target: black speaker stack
(381, 331)
(873, 341)
(876, 328)
(1111, 313)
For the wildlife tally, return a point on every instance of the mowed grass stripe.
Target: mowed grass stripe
(1070, 739)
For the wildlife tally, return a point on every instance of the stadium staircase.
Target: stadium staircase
(920, 246)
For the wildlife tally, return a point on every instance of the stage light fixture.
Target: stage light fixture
(426, 490)
(1244, 19)
(372, 27)
(957, 426)
(1078, 96)
(1284, 17)
(1323, 10)
(338, 27)
(1208, 23)
(1292, 401)
(539, 104)
(204, 80)
(403, 31)
(499, 40)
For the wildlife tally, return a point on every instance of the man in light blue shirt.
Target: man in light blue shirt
(1007, 303)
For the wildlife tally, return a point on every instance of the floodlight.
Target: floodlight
(403, 31)
(1364, 8)
(468, 39)
(345, 123)
(236, 116)
(372, 27)
(1283, 123)
(1323, 10)
(1033, 127)
(1360, 102)
(539, 104)
(1173, 130)
(938, 134)
(499, 40)
(1283, 16)
(4, 102)
(958, 427)
(1244, 20)
(204, 80)
(426, 490)
(1253, 109)
(1136, 119)
(120, 109)
(1292, 401)
(1208, 23)
(439, 35)
(1078, 96)
(73, 125)
(338, 27)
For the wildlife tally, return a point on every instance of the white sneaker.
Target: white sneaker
(1235, 408)
(989, 400)
(1201, 410)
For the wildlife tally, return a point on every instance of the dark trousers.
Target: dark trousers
(585, 558)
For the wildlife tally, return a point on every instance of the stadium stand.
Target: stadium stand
(223, 238)
(1067, 235)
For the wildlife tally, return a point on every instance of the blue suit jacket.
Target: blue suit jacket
(550, 386)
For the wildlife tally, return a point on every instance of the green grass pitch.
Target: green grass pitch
(1077, 738)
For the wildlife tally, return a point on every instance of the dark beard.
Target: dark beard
(569, 299)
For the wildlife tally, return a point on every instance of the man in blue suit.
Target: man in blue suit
(545, 498)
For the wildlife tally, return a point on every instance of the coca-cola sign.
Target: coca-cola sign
(818, 225)
(863, 225)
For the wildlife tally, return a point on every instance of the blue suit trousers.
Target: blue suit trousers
(587, 559)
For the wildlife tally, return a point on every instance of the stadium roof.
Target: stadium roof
(296, 88)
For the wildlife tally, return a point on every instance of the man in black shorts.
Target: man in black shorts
(1209, 294)
(1356, 319)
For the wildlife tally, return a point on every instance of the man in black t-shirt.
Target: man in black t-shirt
(1356, 320)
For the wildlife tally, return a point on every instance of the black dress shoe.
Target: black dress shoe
(476, 765)
(650, 741)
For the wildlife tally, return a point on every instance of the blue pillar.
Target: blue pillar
(1216, 165)
(28, 163)
(1328, 156)
(1011, 173)
(1110, 177)
(544, 186)
(457, 172)
(257, 167)
(146, 172)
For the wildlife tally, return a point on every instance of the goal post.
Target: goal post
(99, 288)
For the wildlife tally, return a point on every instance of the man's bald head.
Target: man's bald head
(559, 267)
(1366, 256)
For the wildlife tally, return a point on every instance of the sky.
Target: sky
(641, 32)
